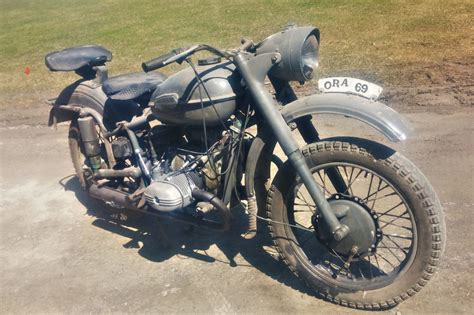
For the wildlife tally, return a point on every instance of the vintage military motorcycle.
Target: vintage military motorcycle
(352, 218)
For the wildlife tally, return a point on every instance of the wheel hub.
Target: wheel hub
(363, 224)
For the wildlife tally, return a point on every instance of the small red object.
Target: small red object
(27, 70)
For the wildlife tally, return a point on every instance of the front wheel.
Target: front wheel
(397, 226)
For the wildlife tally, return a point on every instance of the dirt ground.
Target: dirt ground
(59, 252)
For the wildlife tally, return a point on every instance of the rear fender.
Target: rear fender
(82, 93)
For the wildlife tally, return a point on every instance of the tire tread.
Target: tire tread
(406, 170)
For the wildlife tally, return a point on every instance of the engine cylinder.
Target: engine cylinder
(173, 193)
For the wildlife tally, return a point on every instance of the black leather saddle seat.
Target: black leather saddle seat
(74, 58)
(132, 85)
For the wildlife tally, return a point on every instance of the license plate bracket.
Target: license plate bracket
(350, 85)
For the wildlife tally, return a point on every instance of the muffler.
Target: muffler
(112, 197)
(90, 140)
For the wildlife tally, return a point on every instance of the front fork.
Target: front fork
(285, 95)
(254, 71)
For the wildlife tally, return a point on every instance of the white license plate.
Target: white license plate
(350, 85)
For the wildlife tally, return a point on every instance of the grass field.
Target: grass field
(365, 36)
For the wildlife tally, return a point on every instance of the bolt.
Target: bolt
(292, 126)
(338, 236)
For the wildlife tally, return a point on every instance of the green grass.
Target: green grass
(359, 35)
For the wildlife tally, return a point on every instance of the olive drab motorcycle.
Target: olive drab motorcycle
(352, 218)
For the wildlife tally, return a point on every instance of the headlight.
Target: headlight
(309, 56)
(299, 49)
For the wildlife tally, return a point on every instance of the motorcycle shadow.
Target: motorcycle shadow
(159, 240)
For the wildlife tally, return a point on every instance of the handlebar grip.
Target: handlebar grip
(157, 63)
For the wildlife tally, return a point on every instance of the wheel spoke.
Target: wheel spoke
(397, 225)
(323, 180)
(391, 252)
(370, 185)
(398, 246)
(385, 259)
(349, 189)
(384, 196)
(342, 260)
(377, 261)
(393, 216)
(361, 274)
(354, 180)
(400, 216)
(348, 179)
(304, 199)
(370, 267)
(366, 199)
(391, 209)
(397, 236)
(395, 247)
(302, 210)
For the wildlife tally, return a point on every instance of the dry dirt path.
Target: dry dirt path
(56, 257)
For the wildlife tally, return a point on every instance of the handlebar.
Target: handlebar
(159, 62)
(178, 55)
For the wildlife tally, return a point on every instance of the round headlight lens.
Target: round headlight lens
(309, 56)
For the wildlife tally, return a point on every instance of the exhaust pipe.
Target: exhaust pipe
(126, 172)
(111, 197)
(217, 203)
(123, 200)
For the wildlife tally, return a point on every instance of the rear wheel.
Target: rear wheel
(77, 155)
(395, 218)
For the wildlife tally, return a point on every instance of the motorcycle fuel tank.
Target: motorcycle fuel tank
(182, 100)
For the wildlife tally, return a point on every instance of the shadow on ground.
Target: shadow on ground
(158, 241)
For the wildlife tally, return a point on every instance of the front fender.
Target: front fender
(376, 114)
